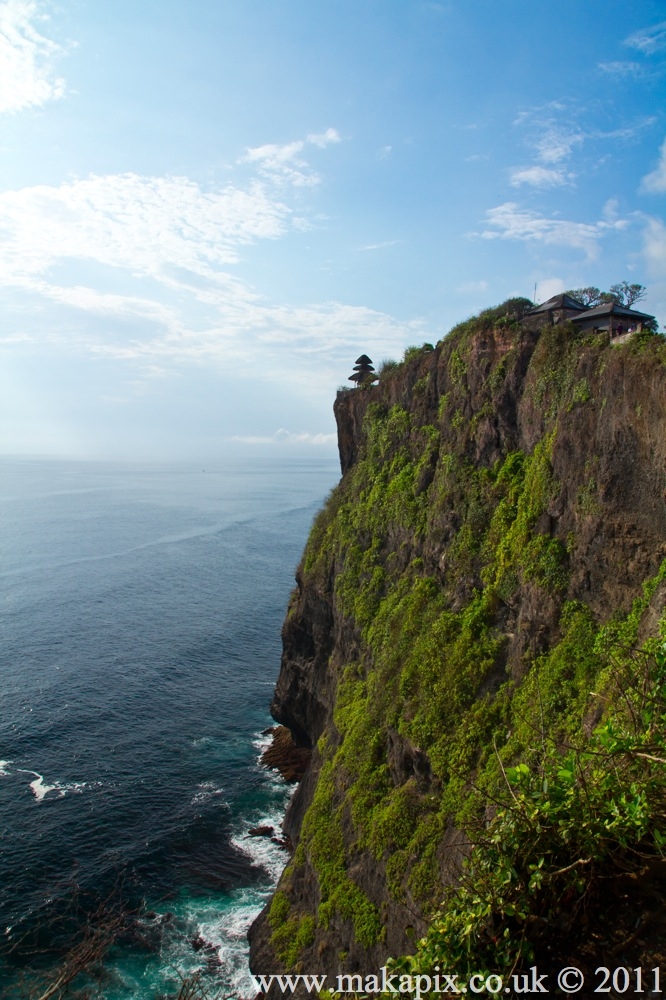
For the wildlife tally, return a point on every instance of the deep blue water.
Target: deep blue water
(140, 616)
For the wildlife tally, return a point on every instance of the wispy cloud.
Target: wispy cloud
(378, 246)
(654, 246)
(509, 222)
(285, 164)
(554, 143)
(622, 69)
(539, 177)
(654, 255)
(547, 287)
(648, 40)
(151, 226)
(557, 144)
(626, 132)
(143, 269)
(27, 58)
(285, 437)
(655, 182)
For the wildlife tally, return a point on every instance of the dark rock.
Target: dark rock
(290, 759)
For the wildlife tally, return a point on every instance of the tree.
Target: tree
(590, 296)
(626, 294)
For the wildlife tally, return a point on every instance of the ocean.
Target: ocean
(141, 613)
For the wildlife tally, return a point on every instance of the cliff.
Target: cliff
(484, 587)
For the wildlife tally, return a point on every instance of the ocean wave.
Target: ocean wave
(227, 934)
(206, 790)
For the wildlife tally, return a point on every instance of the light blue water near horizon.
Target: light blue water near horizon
(141, 611)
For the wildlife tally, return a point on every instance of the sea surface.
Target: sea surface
(140, 642)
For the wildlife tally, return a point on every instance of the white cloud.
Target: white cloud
(27, 58)
(628, 132)
(654, 255)
(378, 246)
(655, 182)
(547, 287)
(654, 247)
(557, 144)
(509, 222)
(152, 260)
(537, 113)
(284, 437)
(323, 139)
(150, 226)
(540, 177)
(473, 286)
(610, 211)
(621, 69)
(554, 144)
(648, 40)
(284, 164)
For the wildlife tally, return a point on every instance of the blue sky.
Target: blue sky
(209, 209)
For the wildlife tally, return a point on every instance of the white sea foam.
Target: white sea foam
(229, 938)
(4, 767)
(226, 930)
(224, 936)
(261, 850)
(206, 790)
(262, 741)
(40, 789)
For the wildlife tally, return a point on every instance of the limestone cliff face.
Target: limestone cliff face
(494, 488)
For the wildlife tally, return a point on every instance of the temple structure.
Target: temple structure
(363, 372)
(619, 321)
(611, 316)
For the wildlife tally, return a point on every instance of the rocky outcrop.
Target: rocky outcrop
(285, 755)
(589, 423)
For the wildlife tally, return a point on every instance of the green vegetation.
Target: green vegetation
(291, 933)
(571, 817)
(624, 293)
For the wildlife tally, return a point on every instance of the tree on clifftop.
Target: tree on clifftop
(624, 293)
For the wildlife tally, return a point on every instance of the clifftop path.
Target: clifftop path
(492, 554)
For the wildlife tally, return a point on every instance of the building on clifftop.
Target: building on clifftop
(618, 320)
(555, 310)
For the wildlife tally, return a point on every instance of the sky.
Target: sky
(209, 209)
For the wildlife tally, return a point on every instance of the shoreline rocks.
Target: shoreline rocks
(285, 755)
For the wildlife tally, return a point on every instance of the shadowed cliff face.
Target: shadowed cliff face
(501, 494)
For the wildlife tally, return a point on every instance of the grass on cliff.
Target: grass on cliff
(569, 820)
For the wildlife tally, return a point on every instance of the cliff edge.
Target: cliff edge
(483, 588)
